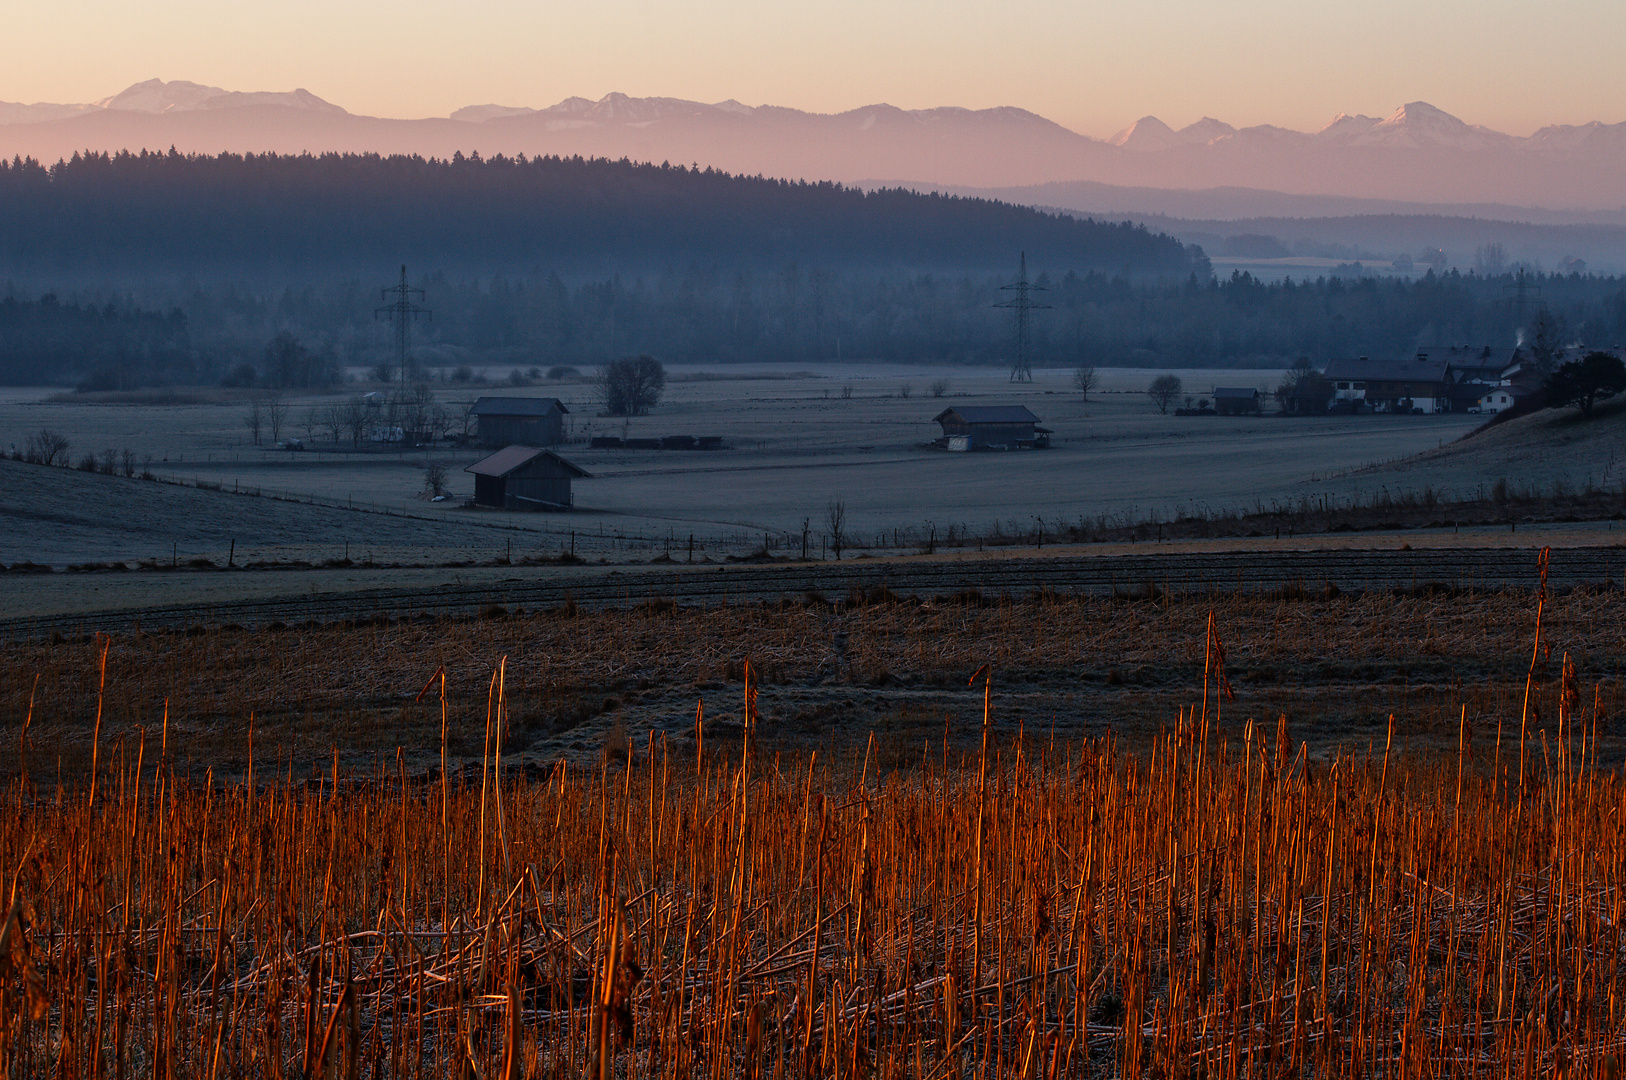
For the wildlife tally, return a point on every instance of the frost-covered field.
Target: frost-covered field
(799, 439)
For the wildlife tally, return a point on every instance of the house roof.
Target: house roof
(517, 406)
(1245, 392)
(1473, 363)
(509, 458)
(1408, 370)
(1470, 355)
(1513, 391)
(989, 414)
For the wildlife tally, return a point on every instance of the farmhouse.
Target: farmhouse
(524, 478)
(1474, 363)
(1420, 384)
(528, 421)
(1235, 400)
(990, 427)
(1495, 399)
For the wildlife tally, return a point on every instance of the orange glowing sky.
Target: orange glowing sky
(1093, 67)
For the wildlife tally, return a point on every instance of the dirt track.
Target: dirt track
(596, 587)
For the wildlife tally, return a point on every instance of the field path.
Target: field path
(294, 596)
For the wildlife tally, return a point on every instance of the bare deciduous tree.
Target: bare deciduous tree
(276, 413)
(413, 411)
(434, 478)
(48, 447)
(1490, 260)
(631, 386)
(1163, 391)
(353, 414)
(1084, 380)
(835, 521)
(333, 420)
(939, 387)
(254, 420)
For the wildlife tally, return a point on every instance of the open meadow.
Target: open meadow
(796, 444)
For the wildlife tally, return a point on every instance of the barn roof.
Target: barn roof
(1410, 370)
(509, 458)
(1246, 393)
(989, 414)
(517, 406)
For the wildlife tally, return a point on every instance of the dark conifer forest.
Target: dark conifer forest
(106, 347)
(142, 269)
(305, 215)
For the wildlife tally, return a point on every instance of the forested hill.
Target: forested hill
(282, 216)
(107, 346)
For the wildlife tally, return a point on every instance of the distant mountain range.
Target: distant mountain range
(156, 97)
(1416, 154)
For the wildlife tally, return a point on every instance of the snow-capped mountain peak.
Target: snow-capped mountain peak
(1419, 125)
(157, 96)
(1205, 131)
(1147, 133)
(1344, 127)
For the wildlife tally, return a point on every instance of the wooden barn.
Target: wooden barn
(984, 427)
(524, 478)
(526, 421)
(1235, 400)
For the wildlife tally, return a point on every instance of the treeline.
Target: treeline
(309, 216)
(807, 314)
(107, 346)
(305, 336)
(265, 270)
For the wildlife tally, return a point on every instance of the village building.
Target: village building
(1414, 385)
(1236, 400)
(527, 421)
(525, 478)
(990, 427)
(1495, 399)
(1483, 364)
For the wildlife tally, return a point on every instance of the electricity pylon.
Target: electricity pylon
(1021, 370)
(401, 311)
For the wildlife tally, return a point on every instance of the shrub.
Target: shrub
(1163, 390)
(631, 386)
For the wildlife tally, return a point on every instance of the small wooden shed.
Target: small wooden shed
(527, 421)
(1235, 400)
(525, 478)
(987, 426)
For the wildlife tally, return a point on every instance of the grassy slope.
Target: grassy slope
(63, 516)
(1532, 452)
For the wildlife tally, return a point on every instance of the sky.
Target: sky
(1093, 66)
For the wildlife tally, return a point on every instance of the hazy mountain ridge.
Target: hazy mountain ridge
(1374, 231)
(1417, 153)
(156, 97)
(1116, 202)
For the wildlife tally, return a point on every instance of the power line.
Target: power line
(1522, 290)
(1021, 370)
(401, 311)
